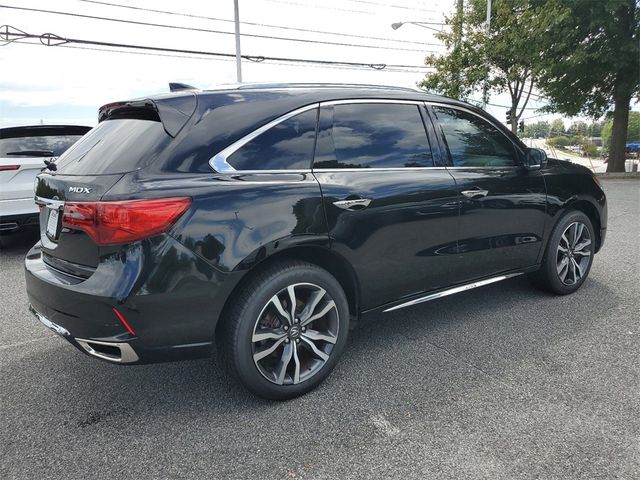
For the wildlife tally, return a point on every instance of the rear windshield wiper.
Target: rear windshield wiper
(31, 153)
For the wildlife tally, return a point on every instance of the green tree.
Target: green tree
(578, 129)
(560, 142)
(633, 130)
(590, 61)
(556, 128)
(504, 57)
(536, 130)
(589, 150)
(595, 129)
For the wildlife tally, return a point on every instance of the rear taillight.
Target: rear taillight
(9, 167)
(110, 223)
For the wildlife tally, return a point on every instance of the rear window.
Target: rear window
(39, 146)
(115, 146)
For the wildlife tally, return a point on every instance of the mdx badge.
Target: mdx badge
(79, 189)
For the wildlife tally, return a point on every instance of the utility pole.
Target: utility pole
(236, 13)
(485, 87)
(458, 44)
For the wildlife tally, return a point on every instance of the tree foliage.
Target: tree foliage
(590, 61)
(536, 130)
(633, 130)
(556, 127)
(503, 57)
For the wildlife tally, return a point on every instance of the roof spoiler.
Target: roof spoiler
(173, 112)
(177, 87)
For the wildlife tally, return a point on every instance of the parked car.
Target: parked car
(267, 219)
(22, 151)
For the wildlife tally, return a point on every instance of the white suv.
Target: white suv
(23, 153)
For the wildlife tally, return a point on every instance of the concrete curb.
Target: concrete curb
(629, 175)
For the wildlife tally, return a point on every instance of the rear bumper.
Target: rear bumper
(23, 205)
(170, 298)
(116, 352)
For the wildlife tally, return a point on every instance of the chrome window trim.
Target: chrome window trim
(378, 169)
(371, 100)
(253, 172)
(219, 161)
(489, 121)
(494, 167)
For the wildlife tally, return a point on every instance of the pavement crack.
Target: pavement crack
(475, 367)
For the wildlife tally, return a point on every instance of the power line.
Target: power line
(325, 7)
(190, 57)
(535, 116)
(404, 7)
(50, 39)
(195, 29)
(267, 25)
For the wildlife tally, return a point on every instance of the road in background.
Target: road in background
(501, 382)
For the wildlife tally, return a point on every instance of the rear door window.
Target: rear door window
(474, 142)
(375, 135)
(115, 146)
(286, 146)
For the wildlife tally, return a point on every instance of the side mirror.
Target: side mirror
(535, 159)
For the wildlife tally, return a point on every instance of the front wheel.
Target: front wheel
(285, 330)
(569, 255)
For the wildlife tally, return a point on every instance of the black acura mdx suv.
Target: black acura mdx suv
(264, 219)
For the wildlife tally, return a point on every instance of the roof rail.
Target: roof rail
(267, 85)
(322, 85)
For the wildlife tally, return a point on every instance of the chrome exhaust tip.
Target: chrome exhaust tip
(116, 352)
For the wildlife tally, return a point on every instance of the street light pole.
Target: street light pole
(397, 25)
(236, 13)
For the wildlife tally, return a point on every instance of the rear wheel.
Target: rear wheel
(569, 255)
(285, 330)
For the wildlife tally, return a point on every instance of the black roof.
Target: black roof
(42, 131)
(233, 110)
(204, 122)
(220, 116)
(330, 91)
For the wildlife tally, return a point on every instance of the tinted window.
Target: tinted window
(115, 146)
(288, 145)
(472, 141)
(50, 145)
(378, 135)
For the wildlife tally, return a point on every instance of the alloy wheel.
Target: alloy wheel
(574, 253)
(295, 333)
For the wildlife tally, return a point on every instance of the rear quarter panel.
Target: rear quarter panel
(238, 220)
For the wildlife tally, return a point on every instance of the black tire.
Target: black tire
(253, 311)
(549, 277)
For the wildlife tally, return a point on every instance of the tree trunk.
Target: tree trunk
(514, 120)
(619, 129)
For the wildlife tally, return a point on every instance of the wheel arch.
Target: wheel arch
(590, 210)
(322, 257)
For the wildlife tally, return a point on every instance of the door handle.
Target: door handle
(476, 192)
(353, 204)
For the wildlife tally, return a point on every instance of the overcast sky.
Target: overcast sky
(68, 85)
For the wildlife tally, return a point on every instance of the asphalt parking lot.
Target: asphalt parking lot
(501, 382)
